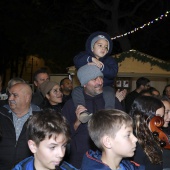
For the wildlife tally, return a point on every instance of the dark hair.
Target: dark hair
(47, 123)
(164, 91)
(145, 92)
(150, 92)
(142, 81)
(107, 122)
(62, 81)
(41, 70)
(143, 110)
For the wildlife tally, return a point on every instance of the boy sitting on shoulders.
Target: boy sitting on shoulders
(112, 133)
(48, 134)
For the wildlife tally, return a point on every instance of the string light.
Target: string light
(141, 27)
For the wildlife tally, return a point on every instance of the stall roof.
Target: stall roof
(135, 64)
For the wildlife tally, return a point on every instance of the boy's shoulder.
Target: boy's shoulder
(67, 166)
(28, 163)
(92, 160)
(24, 163)
(131, 165)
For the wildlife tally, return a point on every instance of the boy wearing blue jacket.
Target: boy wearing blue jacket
(98, 50)
(48, 134)
(112, 133)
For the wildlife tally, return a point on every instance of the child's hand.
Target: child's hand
(96, 62)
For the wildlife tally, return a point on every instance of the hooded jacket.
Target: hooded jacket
(110, 67)
(28, 164)
(92, 161)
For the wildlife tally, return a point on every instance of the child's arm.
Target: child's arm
(110, 68)
(81, 59)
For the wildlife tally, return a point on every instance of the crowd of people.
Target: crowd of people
(86, 127)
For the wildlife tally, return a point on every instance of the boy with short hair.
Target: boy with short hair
(112, 133)
(48, 134)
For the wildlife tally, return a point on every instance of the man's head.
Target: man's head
(51, 90)
(40, 76)
(48, 134)
(19, 99)
(142, 83)
(66, 86)
(91, 78)
(13, 81)
(113, 129)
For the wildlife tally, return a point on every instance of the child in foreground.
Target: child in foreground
(48, 134)
(112, 133)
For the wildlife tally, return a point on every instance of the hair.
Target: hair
(150, 92)
(15, 80)
(141, 81)
(143, 110)
(107, 122)
(146, 92)
(164, 91)
(152, 89)
(47, 124)
(62, 81)
(41, 70)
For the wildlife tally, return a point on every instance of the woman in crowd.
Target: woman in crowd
(166, 92)
(52, 96)
(148, 151)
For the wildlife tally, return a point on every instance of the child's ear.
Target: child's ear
(32, 145)
(106, 141)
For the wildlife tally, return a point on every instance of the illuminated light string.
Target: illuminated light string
(141, 27)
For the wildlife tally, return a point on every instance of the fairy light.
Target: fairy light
(142, 26)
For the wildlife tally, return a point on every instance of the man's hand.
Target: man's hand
(80, 108)
(121, 94)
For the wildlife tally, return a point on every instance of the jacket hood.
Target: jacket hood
(95, 34)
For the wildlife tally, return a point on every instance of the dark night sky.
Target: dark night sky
(58, 29)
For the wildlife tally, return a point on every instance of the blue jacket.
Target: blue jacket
(80, 139)
(110, 68)
(92, 161)
(28, 164)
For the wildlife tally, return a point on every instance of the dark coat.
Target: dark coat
(80, 139)
(11, 152)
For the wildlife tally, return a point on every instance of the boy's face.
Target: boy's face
(124, 142)
(100, 48)
(49, 153)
